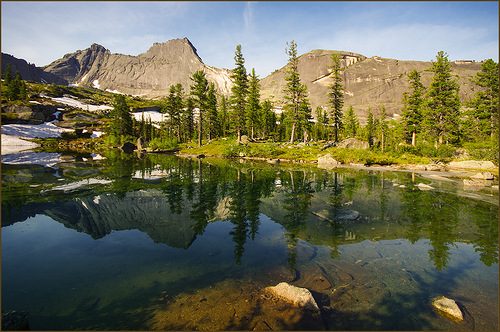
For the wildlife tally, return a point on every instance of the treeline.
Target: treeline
(13, 88)
(433, 118)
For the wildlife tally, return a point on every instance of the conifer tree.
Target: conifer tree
(295, 92)
(121, 124)
(267, 119)
(173, 107)
(239, 91)
(212, 117)
(442, 110)
(336, 95)
(187, 121)
(383, 127)
(485, 102)
(253, 104)
(370, 128)
(413, 103)
(351, 123)
(199, 91)
(224, 116)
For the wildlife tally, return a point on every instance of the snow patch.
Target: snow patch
(115, 91)
(14, 144)
(97, 157)
(97, 199)
(35, 102)
(78, 104)
(48, 159)
(156, 117)
(44, 130)
(96, 84)
(79, 184)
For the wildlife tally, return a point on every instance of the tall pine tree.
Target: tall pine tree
(413, 103)
(351, 123)
(239, 91)
(295, 92)
(370, 128)
(336, 95)
(212, 116)
(253, 104)
(199, 90)
(442, 110)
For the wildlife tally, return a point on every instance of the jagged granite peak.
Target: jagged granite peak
(148, 74)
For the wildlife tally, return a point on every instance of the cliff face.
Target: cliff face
(29, 71)
(149, 74)
(368, 82)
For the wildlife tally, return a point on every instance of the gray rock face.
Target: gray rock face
(353, 143)
(369, 82)
(327, 162)
(448, 308)
(149, 73)
(300, 297)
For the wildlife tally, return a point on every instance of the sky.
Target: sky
(41, 32)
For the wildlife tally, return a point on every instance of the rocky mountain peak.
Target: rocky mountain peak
(172, 49)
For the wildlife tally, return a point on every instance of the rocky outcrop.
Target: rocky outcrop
(448, 308)
(353, 143)
(472, 164)
(483, 176)
(327, 162)
(149, 74)
(369, 82)
(300, 297)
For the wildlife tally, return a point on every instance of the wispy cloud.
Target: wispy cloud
(248, 14)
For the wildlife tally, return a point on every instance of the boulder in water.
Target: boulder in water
(448, 308)
(300, 297)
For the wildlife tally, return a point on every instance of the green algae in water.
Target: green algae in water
(120, 242)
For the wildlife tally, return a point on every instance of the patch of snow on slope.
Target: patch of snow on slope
(43, 130)
(115, 91)
(96, 84)
(81, 183)
(156, 117)
(78, 104)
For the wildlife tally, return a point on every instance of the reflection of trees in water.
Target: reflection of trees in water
(201, 186)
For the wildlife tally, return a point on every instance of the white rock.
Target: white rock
(300, 297)
(448, 308)
(483, 176)
(423, 186)
(327, 162)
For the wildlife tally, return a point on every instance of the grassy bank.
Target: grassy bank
(228, 148)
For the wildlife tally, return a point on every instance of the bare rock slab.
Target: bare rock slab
(448, 308)
(300, 297)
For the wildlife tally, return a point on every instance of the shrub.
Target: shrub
(163, 144)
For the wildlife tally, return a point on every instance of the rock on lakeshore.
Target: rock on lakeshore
(327, 162)
(472, 164)
(448, 308)
(423, 186)
(483, 176)
(300, 297)
(353, 143)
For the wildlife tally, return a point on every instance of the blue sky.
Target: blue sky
(41, 32)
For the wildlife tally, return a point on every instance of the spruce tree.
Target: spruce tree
(295, 92)
(485, 102)
(187, 121)
(383, 127)
(253, 104)
(413, 103)
(267, 119)
(223, 116)
(173, 107)
(336, 95)
(212, 117)
(351, 123)
(199, 91)
(370, 128)
(121, 124)
(442, 110)
(239, 91)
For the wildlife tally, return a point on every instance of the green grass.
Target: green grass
(308, 153)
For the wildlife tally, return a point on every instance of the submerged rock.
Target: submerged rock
(128, 147)
(15, 321)
(327, 162)
(300, 297)
(448, 308)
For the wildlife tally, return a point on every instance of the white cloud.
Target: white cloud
(248, 14)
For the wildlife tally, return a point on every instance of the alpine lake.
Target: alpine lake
(158, 242)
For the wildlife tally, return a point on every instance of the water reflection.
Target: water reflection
(173, 200)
